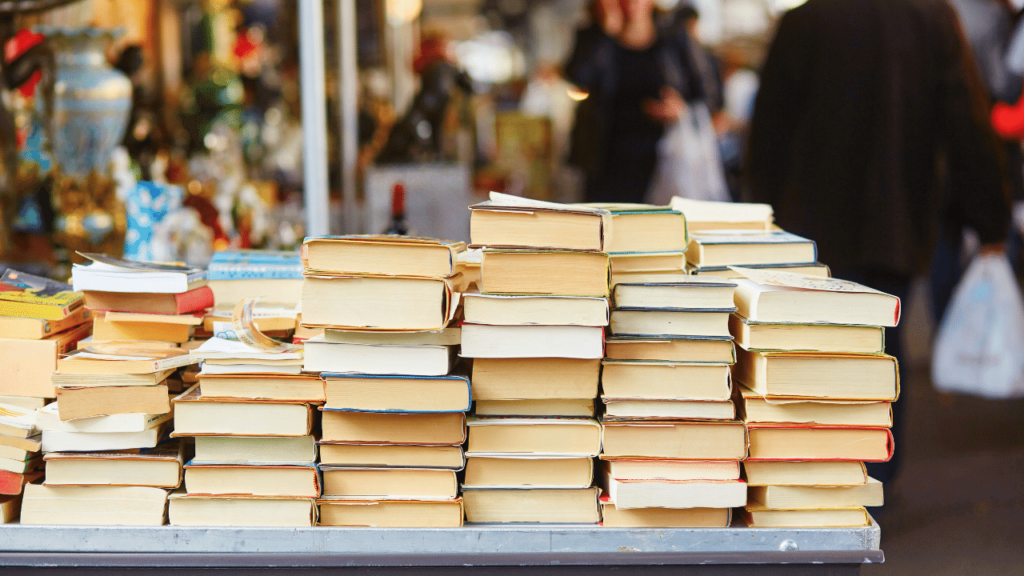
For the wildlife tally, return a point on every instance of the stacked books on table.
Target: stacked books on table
(535, 332)
(814, 387)
(20, 463)
(394, 420)
(252, 415)
(39, 321)
(273, 277)
(672, 444)
(644, 239)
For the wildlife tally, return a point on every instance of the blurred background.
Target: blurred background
(169, 129)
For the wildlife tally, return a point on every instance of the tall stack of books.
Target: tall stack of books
(814, 387)
(671, 443)
(252, 415)
(394, 421)
(535, 332)
(20, 464)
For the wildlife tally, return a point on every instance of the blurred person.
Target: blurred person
(636, 81)
(687, 19)
(860, 103)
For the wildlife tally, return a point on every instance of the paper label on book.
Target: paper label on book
(802, 281)
(245, 330)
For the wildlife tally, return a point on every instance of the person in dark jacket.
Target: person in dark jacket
(638, 80)
(860, 102)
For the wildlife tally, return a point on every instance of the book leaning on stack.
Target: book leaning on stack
(814, 387)
(394, 418)
(535, 332)
(672, 444)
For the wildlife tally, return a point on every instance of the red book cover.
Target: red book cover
(194, 300)
(12, 483)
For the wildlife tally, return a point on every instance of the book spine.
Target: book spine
(250, 272)
(194, 300)
(11, 482)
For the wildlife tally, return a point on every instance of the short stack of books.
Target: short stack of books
(394, 421)
(20, 463)
(253, 418)
(667, 374)
(40, 320)
(814, 387)
(535, 332)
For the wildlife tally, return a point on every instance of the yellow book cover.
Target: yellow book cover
(31, 304)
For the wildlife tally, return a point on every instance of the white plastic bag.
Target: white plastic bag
(689, 162)
(980, 346)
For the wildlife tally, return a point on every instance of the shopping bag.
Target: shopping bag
(980, 346)
(689, 162)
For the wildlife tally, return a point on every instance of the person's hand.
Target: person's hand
(668, 109)
(610, 17)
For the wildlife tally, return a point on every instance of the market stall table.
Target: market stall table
(476, 549)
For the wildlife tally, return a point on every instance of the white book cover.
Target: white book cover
(483, 341)
(48, 419)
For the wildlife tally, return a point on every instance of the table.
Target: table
(491, 550)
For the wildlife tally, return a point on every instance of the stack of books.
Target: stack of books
(273, 277)
(814, 387)
(20, 464)
(394, 421)
(671, 442)
(535, 332)
(252, 415)
(40, 320)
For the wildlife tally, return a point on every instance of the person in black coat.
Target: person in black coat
(871, 119)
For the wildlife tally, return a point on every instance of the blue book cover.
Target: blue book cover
(255, 264)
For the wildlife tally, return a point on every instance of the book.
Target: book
(742, 247)
(172, 304)
(94, 505)
(391, 512)
(17, 422)
(241, 265)
(580, 342)
(283, 368)
(756, 410)
(323, 355)
(816, 269)
(392, 456)
(643, 228)
(533, 436)
(381, 255)
(567, 407)
(28, 444)
(25, 401)
(89, 380)
(671, 292)
(442, 429)
(773, 296)
(822, 473)
(226, 352)
(652, 380)
(517, 272)
(630, 494)
(670, 323)
(618, 409)
(123, 358)
(384, 303)
(507, 221)
(549, 506)
(13, 483)
(270, 290)
(255, 450)
(20, 466)
(450, 336)
(684, 440)
(159, 468)
(295, 481)
(211, 510)
(647, 262)
(414, 483)
(108, 274)
(17, 453)
(198, 415)
(31, 304)
(760, 517)
(680, 349)
(788, 337)
(267, 318)
(784, 442)
(498, 310)
(86, 402)
(613, 517)
(48, 418)
(818, 375)
(712, 215)
(26, 365)
(535, 378)
(798, 497)
(525, 472)
(299, 388)
(105, 329)
(677, 470)
(370, 393)
(60, 441)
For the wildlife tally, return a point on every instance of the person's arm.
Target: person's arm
(777, 109)
(979, 184)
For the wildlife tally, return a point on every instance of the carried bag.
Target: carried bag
(980, 346)
(689, 163)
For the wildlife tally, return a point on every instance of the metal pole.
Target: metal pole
(348, 97)
(314, 117)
